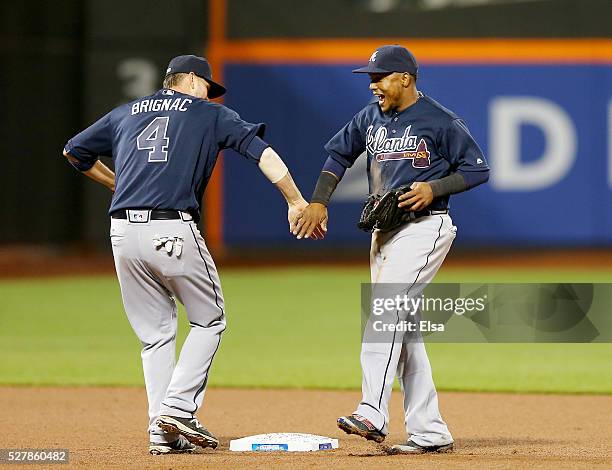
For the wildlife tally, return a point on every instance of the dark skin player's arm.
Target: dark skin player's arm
(422, 194)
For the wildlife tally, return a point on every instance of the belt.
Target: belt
(425, 212)
(144, 215)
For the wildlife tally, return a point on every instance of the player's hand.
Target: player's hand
(312, 222)
(418, 198)
(294, 210)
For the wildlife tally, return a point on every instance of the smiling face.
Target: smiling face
(393, 90)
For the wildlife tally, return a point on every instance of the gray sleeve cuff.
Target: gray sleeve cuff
(451, 184)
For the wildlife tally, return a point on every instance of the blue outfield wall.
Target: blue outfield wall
(545, 131)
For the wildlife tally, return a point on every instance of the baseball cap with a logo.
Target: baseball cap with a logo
(388, 59)
(200, 67)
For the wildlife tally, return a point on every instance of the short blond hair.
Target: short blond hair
(174, 79)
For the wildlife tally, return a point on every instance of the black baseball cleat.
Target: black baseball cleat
(412, 447)
(190, 428)
(180, 446)
(357, 424)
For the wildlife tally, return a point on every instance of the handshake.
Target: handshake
(387, 211)
(307, 220)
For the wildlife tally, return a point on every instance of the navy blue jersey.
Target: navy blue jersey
(164, 148)
(422, 143)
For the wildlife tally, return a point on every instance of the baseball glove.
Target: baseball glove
(382, 213)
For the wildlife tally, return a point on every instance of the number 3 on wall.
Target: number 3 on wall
(153, 138)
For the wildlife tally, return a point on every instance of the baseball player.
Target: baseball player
(164, 148)
(412, 140)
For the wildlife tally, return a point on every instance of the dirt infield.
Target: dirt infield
(105, 427)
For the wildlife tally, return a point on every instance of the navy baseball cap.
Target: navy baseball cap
(200, 67)
(388, 59)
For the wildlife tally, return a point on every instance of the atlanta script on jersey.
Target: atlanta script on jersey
(397, 148)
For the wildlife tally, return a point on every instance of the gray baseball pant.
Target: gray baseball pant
(410, 255)
(151, 279)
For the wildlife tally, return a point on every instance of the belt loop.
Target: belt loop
(185, 216)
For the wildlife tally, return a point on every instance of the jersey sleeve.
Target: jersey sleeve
(346, 146)
(241, 136)
(91, 143)
(464, 154)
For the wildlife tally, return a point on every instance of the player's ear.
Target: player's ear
(406, 79)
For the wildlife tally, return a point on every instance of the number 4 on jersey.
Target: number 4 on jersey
(153, 138)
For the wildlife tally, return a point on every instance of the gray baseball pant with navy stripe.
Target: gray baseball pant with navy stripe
(410, 255)
(151, 280)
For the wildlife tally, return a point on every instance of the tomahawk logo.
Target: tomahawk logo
(373, 57)
(385, 148)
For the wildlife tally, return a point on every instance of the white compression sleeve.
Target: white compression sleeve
(272, 165)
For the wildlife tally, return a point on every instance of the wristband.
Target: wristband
(326, 184)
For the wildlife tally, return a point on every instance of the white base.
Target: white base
(287, 442)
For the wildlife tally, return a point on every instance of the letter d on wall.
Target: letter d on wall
(506, 115)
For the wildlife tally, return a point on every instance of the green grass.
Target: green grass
(286, 328)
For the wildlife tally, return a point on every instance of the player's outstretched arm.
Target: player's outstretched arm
(99, 172)
(273, 167)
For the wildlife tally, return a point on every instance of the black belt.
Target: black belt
(425, 212)
(156, 214)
